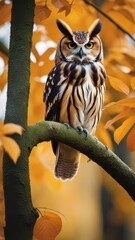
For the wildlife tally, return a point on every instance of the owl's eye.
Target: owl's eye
(71, 45)
(89, 45)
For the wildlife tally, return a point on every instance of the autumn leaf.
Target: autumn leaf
(109, 105)
(67, 9)
(11, 128)
(118, 117)
(62, 5)
(59, 3)
(120, 132)
(9, 144)
(131, 140)
(48, 226)
(132, 82)
(11, 147)
(119, 85)
(128, 102)
(41, 13)
(104, 136)
(5, 12)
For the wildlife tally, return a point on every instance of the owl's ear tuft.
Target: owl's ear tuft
(95, 28)
(64, 27)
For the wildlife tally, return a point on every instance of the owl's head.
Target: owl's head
(81, 46)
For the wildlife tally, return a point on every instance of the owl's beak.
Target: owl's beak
(80, 53)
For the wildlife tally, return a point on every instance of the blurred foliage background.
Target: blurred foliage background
(94, 205)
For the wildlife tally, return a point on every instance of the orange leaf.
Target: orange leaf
(1, 125)
(11, 147)
(5, 12)
(118, 85)
(47, 227)
(11, 128)
(132, 82)
(41, 13)
(128, 102)
(118, 117)
(109, 105)
(58, 3)
(62, 5)
(67, 9)
(104, 135)
(1, 144)
(120, 132)
(131, 140)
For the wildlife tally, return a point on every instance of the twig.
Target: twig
(109, 18)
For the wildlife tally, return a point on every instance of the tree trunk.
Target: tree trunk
(20, 215)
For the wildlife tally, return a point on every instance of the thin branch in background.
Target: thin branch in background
(109, 18)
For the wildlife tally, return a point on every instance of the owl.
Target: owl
(74, 91)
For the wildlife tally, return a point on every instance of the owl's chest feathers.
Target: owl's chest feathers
(81, 81)
(77, 74)
(82, 93)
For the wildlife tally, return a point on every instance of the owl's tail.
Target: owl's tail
(67, 162)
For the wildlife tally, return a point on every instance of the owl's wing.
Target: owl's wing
(52, 94)
(52, 97)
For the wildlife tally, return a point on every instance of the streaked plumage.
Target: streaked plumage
(75, 88)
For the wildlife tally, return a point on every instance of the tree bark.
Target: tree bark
(20, 216)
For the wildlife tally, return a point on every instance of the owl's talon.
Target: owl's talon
(67, 125)
(106, 148)
(80, 130)
(86, 132)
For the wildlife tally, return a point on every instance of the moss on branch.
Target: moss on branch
(92, 147)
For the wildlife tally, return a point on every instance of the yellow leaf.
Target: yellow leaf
(120, 132)
(47, 227)
(131, 140)
(109, 105)
(132, 82)
(104, 136)
(119, 85)
(118, 117)
(11, 147)
(128, 102)
(11, 128)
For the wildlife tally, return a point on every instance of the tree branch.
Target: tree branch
(92, 147)
(109, 18)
